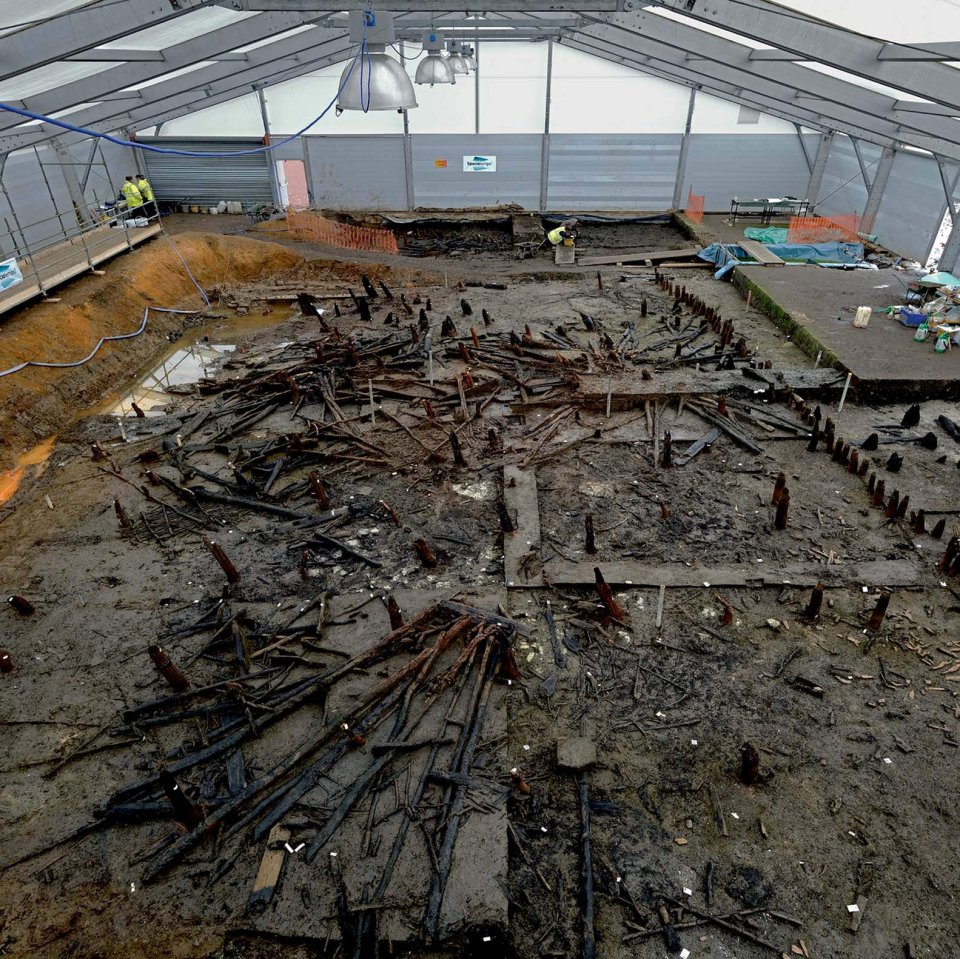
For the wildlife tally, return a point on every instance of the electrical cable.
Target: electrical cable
(203, 292)
(403, 56)
(151, 148)
(96, 349)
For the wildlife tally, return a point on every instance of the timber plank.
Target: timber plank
(760, 253)
(627, 257)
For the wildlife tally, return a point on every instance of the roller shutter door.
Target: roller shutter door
(208, 180)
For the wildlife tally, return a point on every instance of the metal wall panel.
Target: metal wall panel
(209, 180)
(40, 224)
(843, 190)
(721, 166)
(356, 172)
(913, 205)
(633, 172)
(516, 180)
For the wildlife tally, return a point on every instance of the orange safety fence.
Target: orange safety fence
(694, 208)
(823, 229)
(311, 227)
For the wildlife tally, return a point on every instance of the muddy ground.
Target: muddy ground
(856, 732)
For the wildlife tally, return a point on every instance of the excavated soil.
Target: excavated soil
(856, 732)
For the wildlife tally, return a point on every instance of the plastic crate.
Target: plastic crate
(911, 318)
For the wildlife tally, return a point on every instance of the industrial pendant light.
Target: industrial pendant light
(468, 55)
(434, 68)
(375, 82)
(456, 61)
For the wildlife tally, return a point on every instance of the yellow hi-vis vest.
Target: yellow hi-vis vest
(146, 191)
(555, 237)
(132, 195)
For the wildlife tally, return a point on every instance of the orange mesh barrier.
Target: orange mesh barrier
(311, 227)
(694, 209)
(823, 229)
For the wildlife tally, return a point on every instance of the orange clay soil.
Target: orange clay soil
(35, 402)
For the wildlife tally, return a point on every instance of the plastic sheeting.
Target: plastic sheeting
(728, 255)
(766, 234)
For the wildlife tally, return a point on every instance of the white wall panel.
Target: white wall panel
(356, 173)
(614, 172)
(913, 205)
(843, 190)
(721, 166)
(516, 180)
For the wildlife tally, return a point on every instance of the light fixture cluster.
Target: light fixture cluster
(443, 64)
(375, 81)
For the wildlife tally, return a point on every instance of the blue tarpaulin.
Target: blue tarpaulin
(728, 255)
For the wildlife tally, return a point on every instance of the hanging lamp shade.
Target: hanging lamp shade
(470, 58)
(434, 69)
(458, 63)
(375, 82)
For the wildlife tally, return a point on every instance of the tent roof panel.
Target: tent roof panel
(46, 78)
(187, 27)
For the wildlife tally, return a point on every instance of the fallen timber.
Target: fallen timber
(424, 687)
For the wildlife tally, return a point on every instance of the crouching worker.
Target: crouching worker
(566, 231)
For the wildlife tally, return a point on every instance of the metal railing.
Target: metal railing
(75, 233)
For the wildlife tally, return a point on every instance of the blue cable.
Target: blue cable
(149, 147)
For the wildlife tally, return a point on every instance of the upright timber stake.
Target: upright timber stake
(879, 611)
(778, 488)
(168, 669)
(783, 508)
(591, 544)
(606, 594)
(951, 553)
(425, 553)
(183, 809)
(122, 517)
(396, 616)
(230, 571)
(938, 530)
(319, 490)
(668, 449)
(457, 452)
(812, 612)
(22, 605)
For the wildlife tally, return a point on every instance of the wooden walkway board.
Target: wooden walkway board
(878, 573)
(760, 253)
(523, 504)
(69, 259)
(630, 388)
(654, 256)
